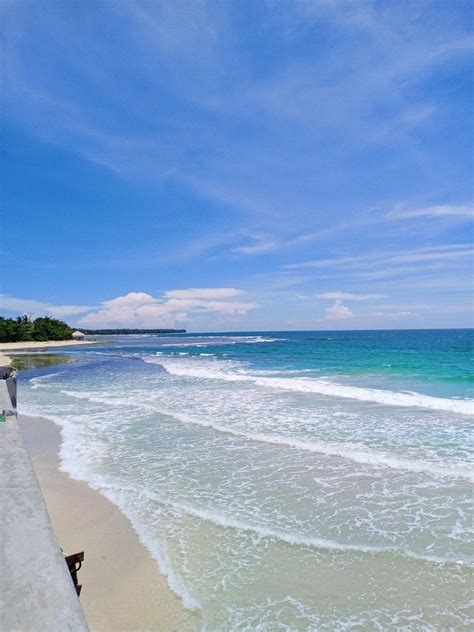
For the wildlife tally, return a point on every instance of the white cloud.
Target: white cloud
(138, 309)
(342, 296)
(338, 311)
(132, 299)
(38, 308)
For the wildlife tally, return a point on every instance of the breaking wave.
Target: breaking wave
(319, 387)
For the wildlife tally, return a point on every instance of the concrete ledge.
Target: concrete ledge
(36, 590)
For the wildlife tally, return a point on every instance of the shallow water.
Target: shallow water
(293, 481)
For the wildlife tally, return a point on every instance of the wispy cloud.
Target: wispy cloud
(204, 293)
(179, 29)
(197, 37)
(38, 308)
(376, 219)
(258, 248)
(461, 211)
(342, 296)
(390, 257)
(310, 145)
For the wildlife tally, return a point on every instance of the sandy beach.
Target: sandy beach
(123, 588)
(6, 360)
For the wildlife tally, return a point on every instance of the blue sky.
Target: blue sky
(238, 165)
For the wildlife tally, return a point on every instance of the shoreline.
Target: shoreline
(123, 588)
(7, 360)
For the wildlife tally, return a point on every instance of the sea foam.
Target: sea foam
(353, 452)
(318, 386)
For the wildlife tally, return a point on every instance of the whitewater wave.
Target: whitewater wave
(113, 491)
(37, 382)
(318, 386)
(218, 340)
(356, 453)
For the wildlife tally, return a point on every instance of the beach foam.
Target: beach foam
(358, 453)
(318, 386)
(353, 452)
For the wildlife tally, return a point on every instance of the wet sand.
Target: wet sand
(123, 588)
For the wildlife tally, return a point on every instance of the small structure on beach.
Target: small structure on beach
(78, 335)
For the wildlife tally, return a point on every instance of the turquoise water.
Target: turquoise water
(284, 481)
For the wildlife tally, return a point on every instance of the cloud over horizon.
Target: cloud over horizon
(142, 310)
(338, 311)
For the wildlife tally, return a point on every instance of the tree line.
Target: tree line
(23, 329)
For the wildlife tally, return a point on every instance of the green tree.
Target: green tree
(8, 330)
(46, 328)
(23, 329)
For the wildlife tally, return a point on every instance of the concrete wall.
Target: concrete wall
(36, 590)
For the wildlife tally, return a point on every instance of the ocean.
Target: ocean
(286, 480)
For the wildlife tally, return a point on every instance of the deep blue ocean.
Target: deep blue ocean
(284, 480)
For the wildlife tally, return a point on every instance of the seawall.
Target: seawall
(36, 589)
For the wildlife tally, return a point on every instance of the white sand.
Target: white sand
(123, 588)
(20, 346)
(5, 360)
